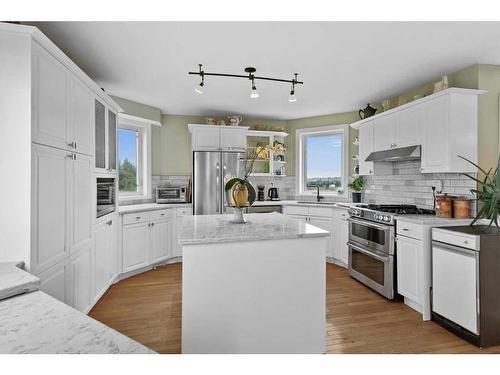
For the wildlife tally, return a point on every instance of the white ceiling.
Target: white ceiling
(343, 65)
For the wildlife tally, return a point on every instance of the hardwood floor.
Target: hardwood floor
(147, 308)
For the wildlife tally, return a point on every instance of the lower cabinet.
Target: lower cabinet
(70, 281)
(55, 280)
(148, 241)
(180, 214)
(325, 223)
(80, 280)
(135, 246)
(105, 255)
(409, 263)
(341, 236)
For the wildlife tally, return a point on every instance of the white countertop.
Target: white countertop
(13, 280)
(432, 220)
(149, 206)
(37, 323)
(204, 229)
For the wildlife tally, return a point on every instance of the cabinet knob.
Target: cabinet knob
(152, 224)
(137, 217)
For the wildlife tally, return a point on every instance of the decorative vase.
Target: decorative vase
(238, 216)
(356, 197)
(240, 195)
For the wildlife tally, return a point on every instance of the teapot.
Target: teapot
(367, 112)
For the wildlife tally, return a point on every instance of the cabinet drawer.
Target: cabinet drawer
(454, 238)
(340, 213)
(296, 210)
(160, 214)
(321, 211)
(183, 211)
(136, 217)
(409, 229)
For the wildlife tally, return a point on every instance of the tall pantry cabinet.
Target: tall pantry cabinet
(47, 154)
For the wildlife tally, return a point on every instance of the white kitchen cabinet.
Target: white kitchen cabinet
(136, 249)
(384, 129)
(445, 124)
(81, 113)
(341, 236)
(325, 223)
(409, 268)
(180, 214)
(433, 147)
(51, 177)
(62, 106)
(105, 138)
(321, 217)
(80, 280)
(408, 131)
(49, 100)
(105, 255)
(81, 207)
(55, 280)
(217, 138)
(233, 139)
(369, 168)
(161, 239)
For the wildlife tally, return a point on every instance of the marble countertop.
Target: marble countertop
(13, 280)
(203, 229)
(432, 220)
(273, 203)
(149, 206)
(37, 323)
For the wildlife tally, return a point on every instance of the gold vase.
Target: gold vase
(240, 195)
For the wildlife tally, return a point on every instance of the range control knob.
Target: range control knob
(387, 218)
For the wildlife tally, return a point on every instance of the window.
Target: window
(134, 158)
(322, 160)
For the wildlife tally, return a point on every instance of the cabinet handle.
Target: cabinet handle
(71, 144)
(74, 156)
(162, 215)
(74, 145)
(70, 156)
(406, 229)
(137, 217)
(152, 224)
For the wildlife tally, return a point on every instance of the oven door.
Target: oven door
(375, 236)
(373, 268)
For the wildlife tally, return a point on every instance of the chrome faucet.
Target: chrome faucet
(318, 197)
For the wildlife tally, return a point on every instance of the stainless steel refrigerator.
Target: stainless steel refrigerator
(211, 169)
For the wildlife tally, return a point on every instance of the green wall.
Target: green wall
(138, 109)
(171, 147)
(311, 122)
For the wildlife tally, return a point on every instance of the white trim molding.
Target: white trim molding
(143, 126)
(300, 161)
(135, 119)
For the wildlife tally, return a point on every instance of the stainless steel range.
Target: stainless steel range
(372, 245)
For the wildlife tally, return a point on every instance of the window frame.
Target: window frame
(301, 162)
(143, 127)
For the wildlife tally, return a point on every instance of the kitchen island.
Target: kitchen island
(257, 287)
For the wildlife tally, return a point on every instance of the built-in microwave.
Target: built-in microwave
(171, 194)
(106, 196)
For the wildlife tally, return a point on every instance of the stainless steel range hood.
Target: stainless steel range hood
(396, 154)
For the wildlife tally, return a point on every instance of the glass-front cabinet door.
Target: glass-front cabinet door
(270, 147)
(111, 141)
(100, 135)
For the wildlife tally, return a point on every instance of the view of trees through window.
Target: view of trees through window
(128, 156)
(324, 162)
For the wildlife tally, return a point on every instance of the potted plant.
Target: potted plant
(487, 192)
(357, 185)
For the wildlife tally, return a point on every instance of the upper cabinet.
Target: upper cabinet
(445, 124)
(217, 138)
(62, 106)
(105, 137)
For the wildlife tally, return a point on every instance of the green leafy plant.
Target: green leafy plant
(487, 192)
(357, 185)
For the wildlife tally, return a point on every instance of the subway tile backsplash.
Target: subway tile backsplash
(408, 186)
(405, 186)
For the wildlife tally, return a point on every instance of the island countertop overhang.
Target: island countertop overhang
(205, 229)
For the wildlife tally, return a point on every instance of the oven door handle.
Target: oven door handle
(384, 259)
(367, 223)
